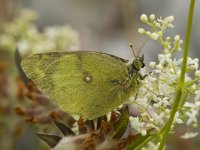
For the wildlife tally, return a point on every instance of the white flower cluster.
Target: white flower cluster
(156, 96)
(22, 33)
(159, 27)
(139, 126)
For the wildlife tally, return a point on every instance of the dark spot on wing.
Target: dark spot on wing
(87, 77)
(53, 54)
(79, 56)
(39, 56)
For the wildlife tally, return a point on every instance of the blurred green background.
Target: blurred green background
(50, 25)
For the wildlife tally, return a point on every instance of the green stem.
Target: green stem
(182, 78)
(145, 142)
(192, 82)
(187, 42)
(183, 100)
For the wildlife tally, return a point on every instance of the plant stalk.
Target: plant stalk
(181, 83)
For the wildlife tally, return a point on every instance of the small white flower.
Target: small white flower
(159, 120)
(179, 121)
(24, 46)
(193, 63)
(143, 71)
(157, 71)
(164, 58)
(169, 19)
(193, 87)
(154, 36)
(43, 46)
(152, 64)
(197, 92)
(144, 18)
(148, 33)
(7, 42)
(167, 111)
(192, 117)
(144, 115)
(172, 71)
(170, 25)
(138, 125)
(197, 73)
(141, 30)
(168, 38)
(151, 120)
(159, 67)
(160, 33)
(181, 41)
(152, 17)
(157, 25)
(165, 102)
(177, 38)
(166, 50)
(143, 132)
(189, 135)
(177, 62)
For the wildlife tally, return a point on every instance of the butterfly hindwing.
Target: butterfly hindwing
(83, 83)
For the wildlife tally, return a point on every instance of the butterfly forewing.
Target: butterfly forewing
(84, 83)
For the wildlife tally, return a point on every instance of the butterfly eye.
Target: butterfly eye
(138, 63)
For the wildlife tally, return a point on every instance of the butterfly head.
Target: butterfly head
(138, 63)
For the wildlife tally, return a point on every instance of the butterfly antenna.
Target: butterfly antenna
(142, 46)
(131, 46)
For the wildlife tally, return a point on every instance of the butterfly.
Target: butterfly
(85, 83)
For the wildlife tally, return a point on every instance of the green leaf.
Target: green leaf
(120, 126)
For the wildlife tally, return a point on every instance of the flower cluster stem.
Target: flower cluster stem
(181, 83)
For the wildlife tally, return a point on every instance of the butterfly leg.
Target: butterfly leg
(143, 77)
(136, 96)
